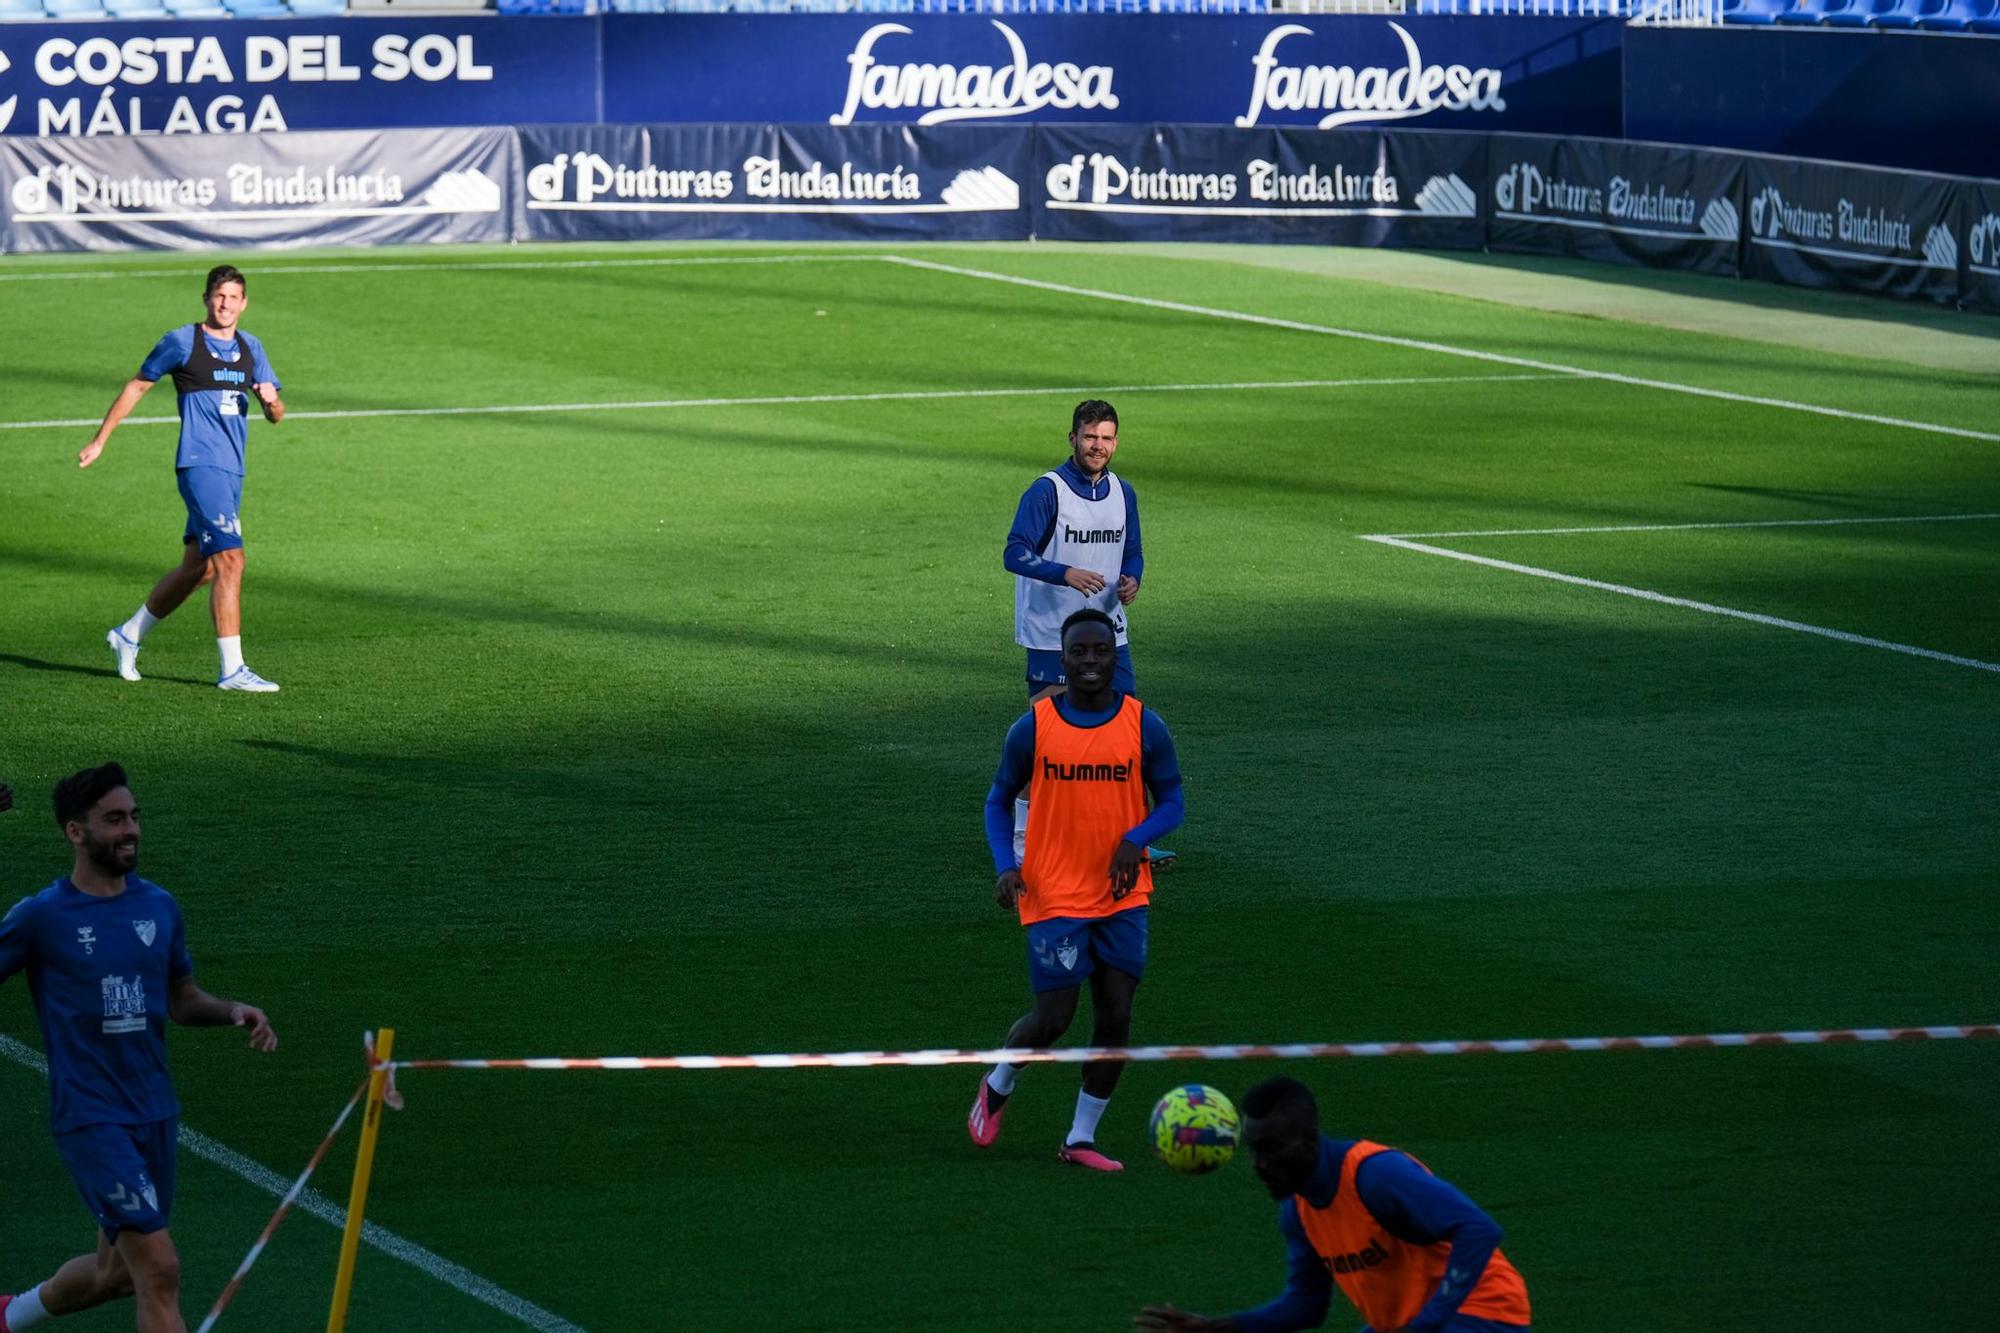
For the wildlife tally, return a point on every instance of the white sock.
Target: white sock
(232, 653)
(1001, 1080)
(26, 1312)
(1089, 1110)
(1020, 830)
(141, 621)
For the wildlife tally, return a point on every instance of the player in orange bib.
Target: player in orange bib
(1088, 758)
(1412, 1253)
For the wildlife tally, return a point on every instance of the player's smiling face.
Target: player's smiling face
(225, 305)
(1094, 445)
(109, 834)
(1090, 655)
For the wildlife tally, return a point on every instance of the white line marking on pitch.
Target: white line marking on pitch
(1708, 608)
(663, 261)
(1421, 345)
(1691, 527)
(460, 1279)
(783, 400)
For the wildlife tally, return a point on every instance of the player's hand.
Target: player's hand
(262, 1038)
(266, 391)
(1128, 590)
(1125, 863)
(88, 454)
(1166, 1319)
(1085, 581)
(1007, 890)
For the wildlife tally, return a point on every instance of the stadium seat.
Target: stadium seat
(1808, 12)
(74, 9)
(1861, 13)
(1753, 11)
(1901, 15)
(1958, 15)
(196, 9)
(20, 9)
(1990, 23)
(319, 9)
(257, 9)
(136, 9)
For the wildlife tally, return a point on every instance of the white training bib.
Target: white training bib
(1088, 534)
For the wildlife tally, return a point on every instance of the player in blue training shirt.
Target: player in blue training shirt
(107, 962)
(1074, 544)
(217, 369)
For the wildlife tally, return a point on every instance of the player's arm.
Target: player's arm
(264, 381)
(192, 1007)
(121, 407)
(1132, 565)
(1017, 762)
(1418, 1207)
(16, 938)
(1034, 520)
(1160, 768)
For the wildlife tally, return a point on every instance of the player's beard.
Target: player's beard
(113, 855)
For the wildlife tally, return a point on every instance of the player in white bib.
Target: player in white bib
(1075, 544)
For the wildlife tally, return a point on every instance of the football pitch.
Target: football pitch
(646, 655)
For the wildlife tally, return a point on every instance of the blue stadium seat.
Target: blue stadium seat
(136, 9)
(1861, 13)
(257, 9)
(74, 9)
(1903, 14)
(1958, 15)
(1990, 23)
(196, 9)
(319, 9)
(1808, 12)
(1753, 11)
(20, 9)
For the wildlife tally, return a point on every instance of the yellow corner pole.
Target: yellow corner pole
(357, 1198)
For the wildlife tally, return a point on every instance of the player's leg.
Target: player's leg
(155, 1267)
(1118, 952)
(85, 1282)
(1057, 966)
(175, 586)
(214, 498)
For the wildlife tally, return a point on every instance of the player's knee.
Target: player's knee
(224, 562)
(112, 1282)
(161, 1276)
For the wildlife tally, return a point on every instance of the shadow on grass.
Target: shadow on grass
(78, 669)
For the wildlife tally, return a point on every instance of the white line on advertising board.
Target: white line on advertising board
(1614, 227)
(1863, 255)
(207, 215)
(569, 207)
(1252, 211)
(1444, 349)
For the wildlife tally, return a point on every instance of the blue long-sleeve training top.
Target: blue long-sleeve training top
(1414, 1206)
(1159, 768)
(1035, 523)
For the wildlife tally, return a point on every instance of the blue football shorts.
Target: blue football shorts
(125, 1173)
(213, 498)
(1045, 669)
(1064, 950)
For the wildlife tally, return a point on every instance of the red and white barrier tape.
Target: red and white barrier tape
(1300, 1051)
(284, 1207)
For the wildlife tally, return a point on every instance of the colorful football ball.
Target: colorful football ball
(1194, 1129)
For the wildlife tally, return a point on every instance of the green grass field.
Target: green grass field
(653, 730)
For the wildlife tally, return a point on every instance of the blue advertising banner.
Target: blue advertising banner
(1527, 74)
(340, 187)
(1824, 224)
(233, 76)
(1194, 183)
(1918, 100)
(1979, 221)
(1619, 203)
(774, 182)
